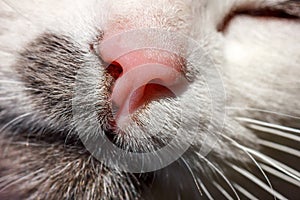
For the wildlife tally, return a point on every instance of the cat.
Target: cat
(66, 86)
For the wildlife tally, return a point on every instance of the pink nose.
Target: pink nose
(146, 74)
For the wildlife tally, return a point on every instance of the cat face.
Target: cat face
(69, 72)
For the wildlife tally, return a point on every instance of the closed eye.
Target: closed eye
(288, 12)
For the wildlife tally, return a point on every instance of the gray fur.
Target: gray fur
(41, 154)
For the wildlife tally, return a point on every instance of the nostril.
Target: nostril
(150, 92)
(115, 70)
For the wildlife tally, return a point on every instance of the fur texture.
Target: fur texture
(255, 47)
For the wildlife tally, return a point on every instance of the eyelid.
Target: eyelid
(278, 11)
(291, 7)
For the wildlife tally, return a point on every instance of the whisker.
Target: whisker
(278, 165)
(244, 192)
(205, 190)
(243, 148)
(29, 144)
(261, 110)
(14, 120)
(275, 132)
(279, 147)
(226, 195)
(193, 175)
(270, 125)
(221, 174)
(257, 181)
(280, 175)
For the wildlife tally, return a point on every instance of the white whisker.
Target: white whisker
(30, 144)
(257, 181)
(275, 132)
(280, 147)
(270, 125)
(221, 174)
(261, 110)
(226, 195)
(278, 165)
(193, 176)
(280, 175)
(205, 190)
(245, 192)
(243, 148)
(14, 120)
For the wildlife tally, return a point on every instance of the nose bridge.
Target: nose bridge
(172, 15)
